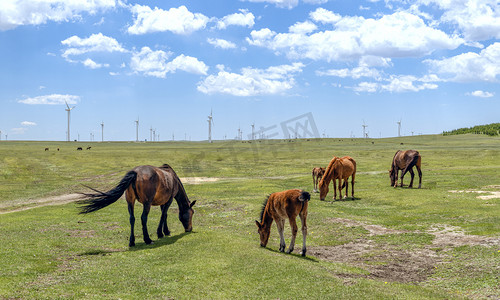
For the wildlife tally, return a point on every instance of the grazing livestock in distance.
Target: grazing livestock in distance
(405, 161)
(46, 149)
(79, 148)
(341, 169)
(317, 174)
(88, 148)
(279, 207)
(150, 186)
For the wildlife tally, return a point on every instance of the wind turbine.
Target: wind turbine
(253, 128)
(68, 109)
(364, 129)
(137, 129)
(210, 123)
(102, 131)
(399, 127)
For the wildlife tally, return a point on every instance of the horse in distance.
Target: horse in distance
(281, 206)
(150, 186)
(317, 174)
(405, 161)
(338, 169)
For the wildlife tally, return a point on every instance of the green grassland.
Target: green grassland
(51, 252)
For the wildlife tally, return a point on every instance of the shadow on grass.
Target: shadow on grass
(167, 240)
(297, 255)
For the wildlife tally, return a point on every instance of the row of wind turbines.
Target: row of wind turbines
(210, 120)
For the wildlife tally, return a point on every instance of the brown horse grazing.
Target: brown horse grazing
(280, 206)
(341, 169)
(405, 161)
(317, 174)
(150, 186)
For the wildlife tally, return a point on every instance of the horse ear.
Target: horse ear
(258, 224)
(192, 203)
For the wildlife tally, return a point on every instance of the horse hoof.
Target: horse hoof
(303, 253)
(149, 242)
(131, 244)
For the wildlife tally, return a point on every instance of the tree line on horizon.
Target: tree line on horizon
(490, 129)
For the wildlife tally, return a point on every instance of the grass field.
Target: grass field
(401, 243)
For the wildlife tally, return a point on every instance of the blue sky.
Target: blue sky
(432, 64)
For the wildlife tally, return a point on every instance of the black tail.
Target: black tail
(304, 196)
(100, 199)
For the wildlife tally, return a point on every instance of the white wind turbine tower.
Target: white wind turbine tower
(102, 131)
(68, 109)
(399, 127)
(364, 129)
(253, 128)
(210, 123)
(137, 129)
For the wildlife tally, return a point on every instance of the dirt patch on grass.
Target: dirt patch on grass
(47, 201)
(491, 194)
(383, 262)
(198, 180)
(397, 263)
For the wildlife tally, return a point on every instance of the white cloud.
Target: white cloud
(398, 35)
(397, 84)
(220, 43)
(315, 1)
(478, 19)
(94, 43)
(89, 63)
(18, 130)
(243, 18)
(324, 16)
(251, 82)
(177, 20)
(54, 99)
(470, 66)
(279, 3)
(303, 27)
(28, 123)
(354, 73)
(481, 94)
(155, 63)
(15, 13)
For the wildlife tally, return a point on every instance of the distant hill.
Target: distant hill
(490, 129)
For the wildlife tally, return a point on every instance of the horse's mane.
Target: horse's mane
(182, 191)
(263, 208)
(327, 177)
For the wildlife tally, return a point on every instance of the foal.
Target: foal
(280, 206)
(317, 174)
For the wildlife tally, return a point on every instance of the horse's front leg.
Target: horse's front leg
(132, 223)
(144, 220)
(303, 217)
(281, 226)
(163, 227)
(396, 176)
(346, 181)
(293, 225)
(334, 189)
(340, 188)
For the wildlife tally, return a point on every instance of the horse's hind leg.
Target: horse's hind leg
(144, 220)
(352, 186)
(293, 224)
(281, 226)
(419, 177)
(412, 176)
(132, 222)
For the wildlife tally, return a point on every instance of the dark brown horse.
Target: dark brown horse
(150, 186)
(279, 207)
(341, 169)
(405, 161)
(317, 174)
